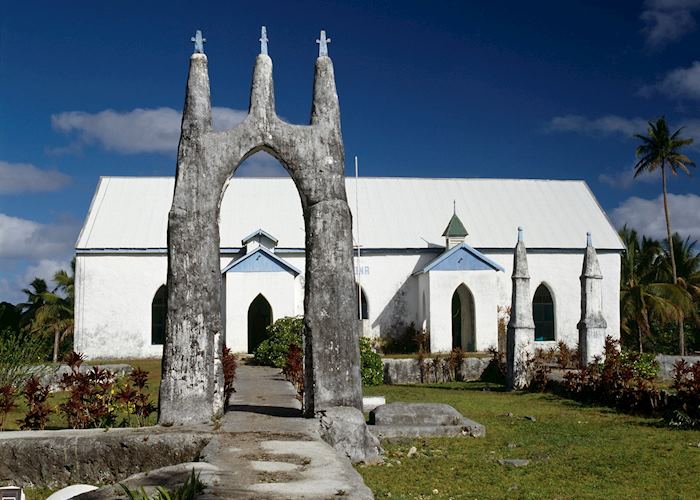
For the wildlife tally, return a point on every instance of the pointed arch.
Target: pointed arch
(362, 308)
(543, 314)
(159, 311)
(463, 319)
(259, 318)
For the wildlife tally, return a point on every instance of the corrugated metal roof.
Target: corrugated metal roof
(395, 212)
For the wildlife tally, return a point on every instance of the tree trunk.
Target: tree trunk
(56, 342)
(681, 334)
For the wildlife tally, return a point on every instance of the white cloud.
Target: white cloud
(137, 131)
(617, 125)
(261, 165)
(44, 269)
(605, 125)
(624, 179)
(680, 83)
(27, 239)
(26, 178)
(667, 20)
(647, 216)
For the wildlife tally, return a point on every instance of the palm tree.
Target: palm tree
(643, 295)
(658, 151)
(51, 311)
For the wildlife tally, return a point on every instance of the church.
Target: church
(433, 252)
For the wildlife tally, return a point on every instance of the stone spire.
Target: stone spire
(521, 327)
(591, 328)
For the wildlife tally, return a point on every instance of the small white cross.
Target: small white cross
(323, 44)
(198, 42)
(263, 40)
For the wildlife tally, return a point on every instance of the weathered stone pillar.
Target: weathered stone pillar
(192, 374)
(591, 328)
(521, 327)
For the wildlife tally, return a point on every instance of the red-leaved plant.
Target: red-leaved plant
(293, 369)
(38, 409)
(8, 395)
(134, 398)
(228, 360)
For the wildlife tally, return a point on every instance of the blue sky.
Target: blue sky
(429, 89)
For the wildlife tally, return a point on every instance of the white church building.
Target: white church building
(437, 253)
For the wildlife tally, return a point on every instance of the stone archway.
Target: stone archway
(191, 387)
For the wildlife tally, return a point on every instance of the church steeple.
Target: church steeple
(455, 232)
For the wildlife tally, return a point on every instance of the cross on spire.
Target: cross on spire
(323, 44)
(454, 207)
(263, 40)
(198, 42)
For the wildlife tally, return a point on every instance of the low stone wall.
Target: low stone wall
(93, 456)
(52, 375)
(407, 371)
(666, 363)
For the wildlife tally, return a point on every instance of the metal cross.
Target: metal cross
(198, 42)
(323, 44)
(263, 40)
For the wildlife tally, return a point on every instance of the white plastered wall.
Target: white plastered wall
(560, 272)
(114, 294)
(483, 287)
(278, 288)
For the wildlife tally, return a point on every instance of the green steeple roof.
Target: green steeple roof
(455, 228)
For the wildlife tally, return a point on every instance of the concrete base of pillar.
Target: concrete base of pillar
(591, 343)
(519, 347)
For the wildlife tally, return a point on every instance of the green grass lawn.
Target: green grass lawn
(575, 451)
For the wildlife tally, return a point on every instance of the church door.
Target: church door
(259, 318)
(456, 321)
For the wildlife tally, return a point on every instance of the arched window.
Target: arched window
(463, 331)
(363, 309)
(543, 313)
(259, 318)
(159, 311)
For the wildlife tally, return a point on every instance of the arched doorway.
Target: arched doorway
(159, 311)
(463, 330)
(259, 318)
(543, 314)
(362, 308)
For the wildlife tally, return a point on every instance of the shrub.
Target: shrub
(8, 395)
(38, 409)
(97, 399)
(616, 381)
(228, 361)
(495, 371)
(293, 369)
(18, 351)
(407, 339)
(282, 333)
(134, 399)
(455, 361)
(686, 382)
(371, 365)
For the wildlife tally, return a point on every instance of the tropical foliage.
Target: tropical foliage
(660, 150)
(648, 296)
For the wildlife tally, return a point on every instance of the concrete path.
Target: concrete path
(265, 449)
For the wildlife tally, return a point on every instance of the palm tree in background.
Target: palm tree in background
(50, 312)
(643, 293)
(661, 150)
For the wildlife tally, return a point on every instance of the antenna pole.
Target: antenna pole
(357, 225)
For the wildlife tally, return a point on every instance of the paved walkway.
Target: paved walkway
(265, 449)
